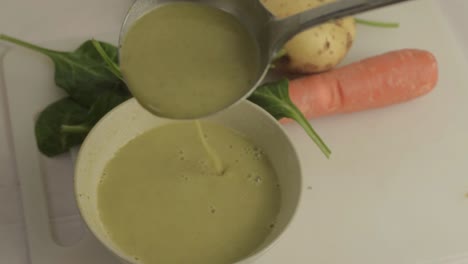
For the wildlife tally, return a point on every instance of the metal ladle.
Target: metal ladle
(269, 32)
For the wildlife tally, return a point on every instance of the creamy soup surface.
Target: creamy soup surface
(162, 201)
(186, 60)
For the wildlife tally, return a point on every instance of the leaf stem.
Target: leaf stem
(27, 45)
(112, 66)
(74, 129)
(377, 23)
(300, 118)
(281, 53)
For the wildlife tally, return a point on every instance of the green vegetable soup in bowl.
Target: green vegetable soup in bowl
(148, 189)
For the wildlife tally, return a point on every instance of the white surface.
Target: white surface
(33, 167)
(47, 20)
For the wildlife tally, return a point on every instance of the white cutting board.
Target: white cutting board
(394, 190)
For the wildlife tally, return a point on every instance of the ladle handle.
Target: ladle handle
(281, 30)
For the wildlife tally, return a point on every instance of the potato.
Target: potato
(317, 49)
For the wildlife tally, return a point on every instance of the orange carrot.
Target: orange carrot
(378, 81)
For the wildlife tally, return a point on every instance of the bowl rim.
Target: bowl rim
(244, 103)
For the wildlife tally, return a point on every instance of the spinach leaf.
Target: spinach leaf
(92, 78)
(274, 98)
(83, 74)
(104, 104)
(111, 64)
(93, 91)
(50, 138)
(65, 123)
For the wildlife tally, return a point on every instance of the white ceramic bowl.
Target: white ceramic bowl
(129, 120)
